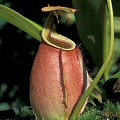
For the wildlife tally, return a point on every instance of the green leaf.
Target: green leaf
(94, 28)
(117, 24)
(20, 21)
(116, 54)
(117, 75)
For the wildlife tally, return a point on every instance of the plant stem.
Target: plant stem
(96, 87)
(81, 102)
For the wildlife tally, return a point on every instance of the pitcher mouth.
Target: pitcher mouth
(55, 39)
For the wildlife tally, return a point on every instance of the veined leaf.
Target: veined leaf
(21, 22)
(93, 27)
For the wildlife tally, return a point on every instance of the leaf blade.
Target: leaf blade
(20, 21)
(93, 28)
